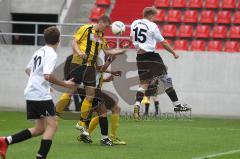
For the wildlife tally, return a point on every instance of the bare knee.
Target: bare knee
(53, 124)
(37, 130)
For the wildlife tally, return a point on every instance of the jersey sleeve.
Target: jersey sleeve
(30, 64)
(157, 35)
(80, 32)
(50, 61)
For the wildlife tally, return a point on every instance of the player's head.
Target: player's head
(103, 23)
(52, 35)
(149, 13)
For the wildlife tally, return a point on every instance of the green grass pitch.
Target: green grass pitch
(162, 139)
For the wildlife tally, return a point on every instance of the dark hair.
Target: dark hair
(104, 19)
(148, 11)
(51, 35)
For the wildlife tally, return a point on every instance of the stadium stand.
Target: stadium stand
(178, 3)
(174, 16)
(224, 17)
(190, 20)
(181, 45)
(211, 4)
(103, 3)
(215, 45)
(185, 31)
(234, 32)
(191, 16)
(162, 3)
(207, 16)
(160, 17)
(228, 4)
(219, 32)
(232, 46)
(197, 4)
(198, 45)
(237, 17)
(96, 12)
(202, 31)
(169, 30)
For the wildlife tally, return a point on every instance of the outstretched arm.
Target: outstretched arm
(114, 51)
(167, 47)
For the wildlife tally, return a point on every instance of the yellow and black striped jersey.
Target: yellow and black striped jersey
(89, 42)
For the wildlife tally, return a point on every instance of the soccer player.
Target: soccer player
(100, 105)
(40, 106)
(88, 41)
(145, 34)
(102, 113)
(109, 103)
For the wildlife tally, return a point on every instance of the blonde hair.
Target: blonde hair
(149, 11)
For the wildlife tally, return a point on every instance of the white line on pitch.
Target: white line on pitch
(218, 154)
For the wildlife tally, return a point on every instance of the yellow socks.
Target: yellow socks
(93, 124)
(64, 101)
(114, 124)
(85, 109)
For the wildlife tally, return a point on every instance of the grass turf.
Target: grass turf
(162, 139)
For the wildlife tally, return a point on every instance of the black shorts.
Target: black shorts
(83, 74)
(150, 65)
(40, 109)
(109, 100)
(67, 66)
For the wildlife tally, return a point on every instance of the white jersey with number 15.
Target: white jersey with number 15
(145, 35)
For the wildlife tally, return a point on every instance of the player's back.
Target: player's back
(145, 34)
(42, 62)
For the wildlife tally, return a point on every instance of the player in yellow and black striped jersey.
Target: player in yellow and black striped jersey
(88, 41)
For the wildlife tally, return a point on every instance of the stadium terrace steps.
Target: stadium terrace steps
(128, 11)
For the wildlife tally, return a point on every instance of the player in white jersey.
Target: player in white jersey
(40, 106)
(145, 34)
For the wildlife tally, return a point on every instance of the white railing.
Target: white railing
(36, 34)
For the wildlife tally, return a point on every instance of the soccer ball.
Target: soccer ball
(118, 27)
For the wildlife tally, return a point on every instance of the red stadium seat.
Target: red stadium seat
(191, 16)
(224, 17)
(202, 31)
(103, 2)
(174, 16)
(232, 46)
(112, 43)
(96, 12)
(162, 3)
(185, 31)
(181, 45)
(169, 30)
(234, 32)
(195, 4)
(126, 43)
(178, 3)
(237, 17)
(215, 45)
(160, 17)
(213, 4)
(229, 4)
(207, 16)
(219, 32)
(198, 45)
